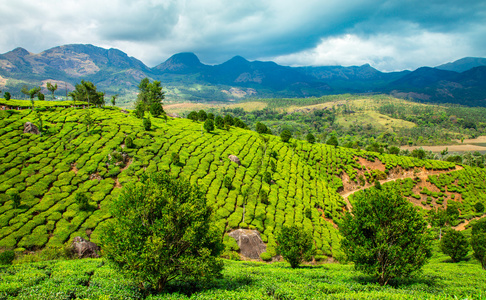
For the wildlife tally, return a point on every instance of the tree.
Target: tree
(52, 89)
(239, 123)
(478, 241)
(285, 135)
(479, 207)
(385, 236)
(147, 124)
(261, 128)
(192, 116)
(41, 96)
(149, 93)
(294, 244)
(310, 138)
(333, 141)
(209, 125)
(228, 120)
(129, 142)
(211, 116)
(202, 116)
(86, 91)
(113, 99)
(218, 121)
(156, 109)
(7, 96)
(162, 230)
(454, 244)
(82, 200)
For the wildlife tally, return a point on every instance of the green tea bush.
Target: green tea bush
(7, 257)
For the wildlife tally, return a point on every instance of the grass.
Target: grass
(96, 279)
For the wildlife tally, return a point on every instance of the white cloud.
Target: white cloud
(384, 52)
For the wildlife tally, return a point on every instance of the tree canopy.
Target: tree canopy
(162, 230)
(86, 91)
(385, 236)
(150, 96)
(294, 244)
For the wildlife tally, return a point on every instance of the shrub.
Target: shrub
(174, 158)
(385, 236)
(82, 200)
(156, 109)
(15, 197)
(479, 207)
(129, 142)
(285, 135)
(333, 141)
(294, 244)
(266, 256)
(147, 124)
(209, 125)
(263, 197)
(310, 138)
(261, 128)
(227, 182)
(193, 116)
(7, 257)
(454, 244)
(267, 177)
(478, 241)
(161, 231)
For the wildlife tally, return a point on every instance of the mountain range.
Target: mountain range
(184, 77)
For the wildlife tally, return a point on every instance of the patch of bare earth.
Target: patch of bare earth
(463, 225)
(350, 187)
(74, 169)
(117, 183)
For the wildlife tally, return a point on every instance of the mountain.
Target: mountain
(185, 77)
(182, 63)
(463, 64)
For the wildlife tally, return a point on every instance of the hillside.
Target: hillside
(306, 187)
(185, 77)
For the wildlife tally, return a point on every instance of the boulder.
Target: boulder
(250, 242)
(84, 248)
(234, 159)
(31, 128)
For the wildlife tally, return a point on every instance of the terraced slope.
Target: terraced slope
(48, 170)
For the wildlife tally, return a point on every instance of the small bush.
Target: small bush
(129, 142)
(227, 182)
(454, 244)
(479, 207)
(147, 124)
(82, 200)
(266, 256)
(7, 257)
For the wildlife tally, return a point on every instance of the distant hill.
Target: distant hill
(463, 64)
(185, 77)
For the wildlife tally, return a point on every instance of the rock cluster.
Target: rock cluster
(31, 128)
(250, 242)
(85, 249)
(234, 159)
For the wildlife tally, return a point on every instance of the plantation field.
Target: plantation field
(47, 171)
(96, 279)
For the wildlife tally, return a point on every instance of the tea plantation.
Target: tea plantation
(305, 179)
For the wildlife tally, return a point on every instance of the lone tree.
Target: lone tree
(7, 96)
(52, 89)
(209, 125)
(454, 244)
(294, 244)
(310, 138)
(333, 141)
(385, 236)
(150, 96)
(86, 91)
(478, 241)
(113, 99)
(162, 230)
(285, 135)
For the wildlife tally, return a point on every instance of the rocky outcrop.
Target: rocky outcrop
(234, 159)
(250, 242)
(85, 249)
(31, 128)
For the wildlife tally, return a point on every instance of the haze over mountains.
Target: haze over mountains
(184, 77)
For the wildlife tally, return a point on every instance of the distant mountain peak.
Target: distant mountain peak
(184, 62)
(463, 64)
(19, 51)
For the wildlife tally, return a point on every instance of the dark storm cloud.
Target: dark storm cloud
(388, 34)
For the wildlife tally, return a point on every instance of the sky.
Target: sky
(389, 35)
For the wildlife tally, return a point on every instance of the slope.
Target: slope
(48, 170)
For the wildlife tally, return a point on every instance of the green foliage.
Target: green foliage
(219, 122)
(7, 257)
(479, 207)
(285, 135)
(139, 111)
(385, 237)
(174, 158)
(82, 200)
(15, 198)
(162, 231)
(211, 116)
(147, 124)
(7, 96)
(86, 91)
(454, 244)
(228, 120)
(129, 142)
(209, 125)
(332, 141)
(193, 116)
(156, 109)
(202, 115)
(261, 128)
(310, 138)
(478, 241)
(263, 197)
(267, 177)
(294, 244)
(266, 256)
(227, 182)
(41, 96)
(52, 88)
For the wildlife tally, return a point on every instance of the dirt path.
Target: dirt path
(463, 225)
(350, 189)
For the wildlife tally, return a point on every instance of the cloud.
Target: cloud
(379, 32)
